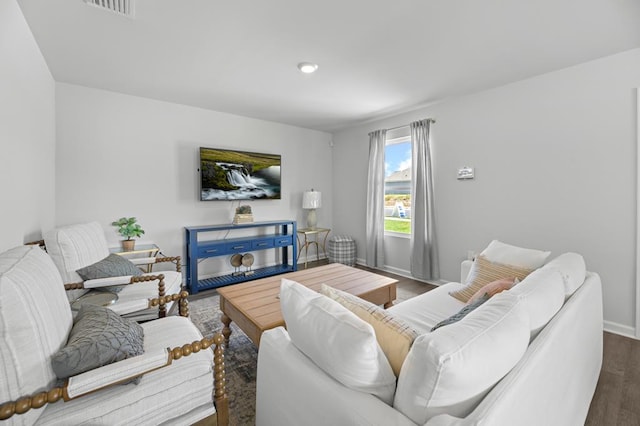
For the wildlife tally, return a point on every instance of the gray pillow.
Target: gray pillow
(111, 266)
(462, 312)
(98, 337)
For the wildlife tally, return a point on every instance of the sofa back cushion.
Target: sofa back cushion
(451, 369)
(76, 246)
(573, 270)
(542, 294)
(35, 319)
(336, 340)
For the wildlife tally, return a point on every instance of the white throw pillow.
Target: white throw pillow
(451, 369)
(336, 340)
(542, 293)
(499, 252)
(573, 270)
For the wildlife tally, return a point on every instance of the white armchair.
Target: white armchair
(177, 378)
(77, 246)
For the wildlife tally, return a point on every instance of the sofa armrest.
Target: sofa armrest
(143, 260)
(291, 389)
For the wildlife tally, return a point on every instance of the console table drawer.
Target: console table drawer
(238, 246)
(285, 240)
(211, 250)
(264, 243)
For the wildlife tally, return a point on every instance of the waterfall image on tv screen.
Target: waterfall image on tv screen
(238, 175)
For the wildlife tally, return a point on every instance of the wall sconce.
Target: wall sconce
(311, 200)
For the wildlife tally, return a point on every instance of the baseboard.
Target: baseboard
(310, 258)
(622, 330)
(401, 272)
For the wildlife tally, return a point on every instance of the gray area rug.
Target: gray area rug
(241, 358)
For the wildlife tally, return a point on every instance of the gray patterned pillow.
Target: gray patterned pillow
(111, 266)
(466, 310)
(98, 337)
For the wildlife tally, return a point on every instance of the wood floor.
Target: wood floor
(617, 398)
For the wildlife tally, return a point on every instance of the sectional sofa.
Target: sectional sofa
(530, 355)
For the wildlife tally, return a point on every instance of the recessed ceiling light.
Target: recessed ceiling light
(307, 67)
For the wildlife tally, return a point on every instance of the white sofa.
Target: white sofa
(551, 381)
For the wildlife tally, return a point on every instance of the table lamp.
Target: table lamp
(311, 200)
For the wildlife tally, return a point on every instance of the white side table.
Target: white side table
(143, 255)
(319, 240)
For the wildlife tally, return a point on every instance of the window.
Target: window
(397, 186)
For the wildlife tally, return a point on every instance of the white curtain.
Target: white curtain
(375, 199)
(424, 251)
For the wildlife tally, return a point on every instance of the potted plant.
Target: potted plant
(128, 228)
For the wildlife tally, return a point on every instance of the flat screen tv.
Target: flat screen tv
(238, 175)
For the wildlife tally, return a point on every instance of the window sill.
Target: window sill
(397, 235)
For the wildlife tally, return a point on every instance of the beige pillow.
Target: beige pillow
(484, 272)
(394, 336)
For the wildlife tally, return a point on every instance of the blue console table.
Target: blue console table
(283, 238)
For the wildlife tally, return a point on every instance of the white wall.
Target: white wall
(555, 167)
(27, 133)
(120, 155)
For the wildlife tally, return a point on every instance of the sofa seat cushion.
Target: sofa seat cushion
(336, 340)
(35, 319)
(189, 378)
(466, 310)
(428, 309)
(451, 369)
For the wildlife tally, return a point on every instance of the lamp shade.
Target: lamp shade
(311, 199)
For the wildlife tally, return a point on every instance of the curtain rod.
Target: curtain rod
(407, 125)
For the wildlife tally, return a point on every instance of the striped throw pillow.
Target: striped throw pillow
(394, 336)
(484, 272)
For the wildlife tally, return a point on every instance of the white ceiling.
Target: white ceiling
(376, 57)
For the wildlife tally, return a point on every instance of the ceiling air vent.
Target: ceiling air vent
(121, 7)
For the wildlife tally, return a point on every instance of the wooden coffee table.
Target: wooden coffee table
(255, 307)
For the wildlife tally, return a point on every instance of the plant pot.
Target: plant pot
(128, 245)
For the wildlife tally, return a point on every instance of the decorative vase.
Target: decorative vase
(128, 245)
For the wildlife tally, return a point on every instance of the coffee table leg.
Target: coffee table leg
(226, 330)
(388, 304)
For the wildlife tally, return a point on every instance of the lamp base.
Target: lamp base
(312, 220)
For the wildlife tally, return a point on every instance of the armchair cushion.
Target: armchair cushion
(99, 337)
(76, 246)
(35, 319)
(111, 266)
(173, 392)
